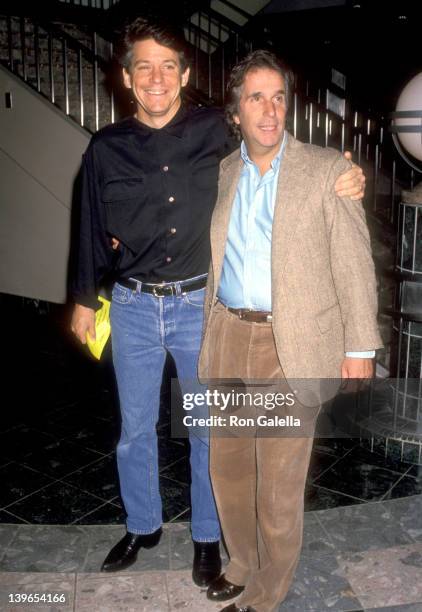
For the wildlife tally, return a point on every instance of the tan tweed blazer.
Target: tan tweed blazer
(323, 283)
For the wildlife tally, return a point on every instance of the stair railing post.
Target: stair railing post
(223, 74)
(10, 42)
(95, 68)
(112, 100)
(81, 89)
(65, 76)
(23, 47)
(37, 56)
(51, 68)
(197, 43)
(209, 58)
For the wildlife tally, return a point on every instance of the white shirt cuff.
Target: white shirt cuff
(360, 354)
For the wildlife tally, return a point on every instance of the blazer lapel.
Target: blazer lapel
(294, 183)
(229, 177)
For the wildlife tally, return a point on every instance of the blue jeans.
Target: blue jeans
(144, 328)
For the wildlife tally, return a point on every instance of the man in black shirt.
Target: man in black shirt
(150, 181)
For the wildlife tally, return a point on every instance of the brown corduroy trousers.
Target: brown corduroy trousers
(258, 481)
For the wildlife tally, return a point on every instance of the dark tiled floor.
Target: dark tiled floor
(60, 427)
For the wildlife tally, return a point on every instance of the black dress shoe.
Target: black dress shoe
(234, 608)
(125, 552)
(206, 562)
(221, 589)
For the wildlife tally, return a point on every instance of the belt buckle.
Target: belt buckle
(154, 291)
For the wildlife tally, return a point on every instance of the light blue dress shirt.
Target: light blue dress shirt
(246, 274)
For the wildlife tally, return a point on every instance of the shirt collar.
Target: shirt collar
(176, 126)
(275, 163)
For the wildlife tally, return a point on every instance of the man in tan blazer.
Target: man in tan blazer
(291, 294)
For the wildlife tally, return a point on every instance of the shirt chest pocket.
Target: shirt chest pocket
(128, 216)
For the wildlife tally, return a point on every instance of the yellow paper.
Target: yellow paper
(102, 329)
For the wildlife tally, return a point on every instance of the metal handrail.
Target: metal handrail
(58, 42)
(96, 4)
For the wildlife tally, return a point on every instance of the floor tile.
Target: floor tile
(21, 441)
(99, 437)
(184, 595)
(67, 422)
(362, 480)
(318, 585)
(362, 527)
(316, 542)
(320, 462)
(181, 547)
(405, 487)
(105, 514)
(335, 446)
(60, 458)
(320, 498)
(46, 549)
(7, 535)
(58, 503)
(171, 451)
(413, 607)
(179, 471)
(139, 592)
(99, 478)
(100, 540)
(9, 518)
(363, 455)
(386, 577)
(23, 578)
(56, 585)
(175, 497)
(18, 481)
(407, 515)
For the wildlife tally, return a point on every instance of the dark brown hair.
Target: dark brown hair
(253, 61)
(164, 33)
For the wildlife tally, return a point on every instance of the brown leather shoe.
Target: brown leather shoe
(221, 589)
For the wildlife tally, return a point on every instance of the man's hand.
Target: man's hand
(115, 243)
(356, 367)
(83, 321)
(352, 182)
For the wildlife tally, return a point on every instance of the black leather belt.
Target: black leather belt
(165, 289)
(253, 316)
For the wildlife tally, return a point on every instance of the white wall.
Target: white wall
(40, 154)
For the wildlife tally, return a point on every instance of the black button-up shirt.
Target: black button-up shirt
(154, 190)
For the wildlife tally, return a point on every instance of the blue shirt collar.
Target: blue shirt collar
(275, 162)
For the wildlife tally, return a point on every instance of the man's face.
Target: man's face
(155, 78)
(262, 111)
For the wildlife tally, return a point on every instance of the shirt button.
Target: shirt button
(165, 168)
(171, 199)
(173, 230)
(168, 259)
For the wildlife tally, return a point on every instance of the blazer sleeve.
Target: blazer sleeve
(352, 266)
